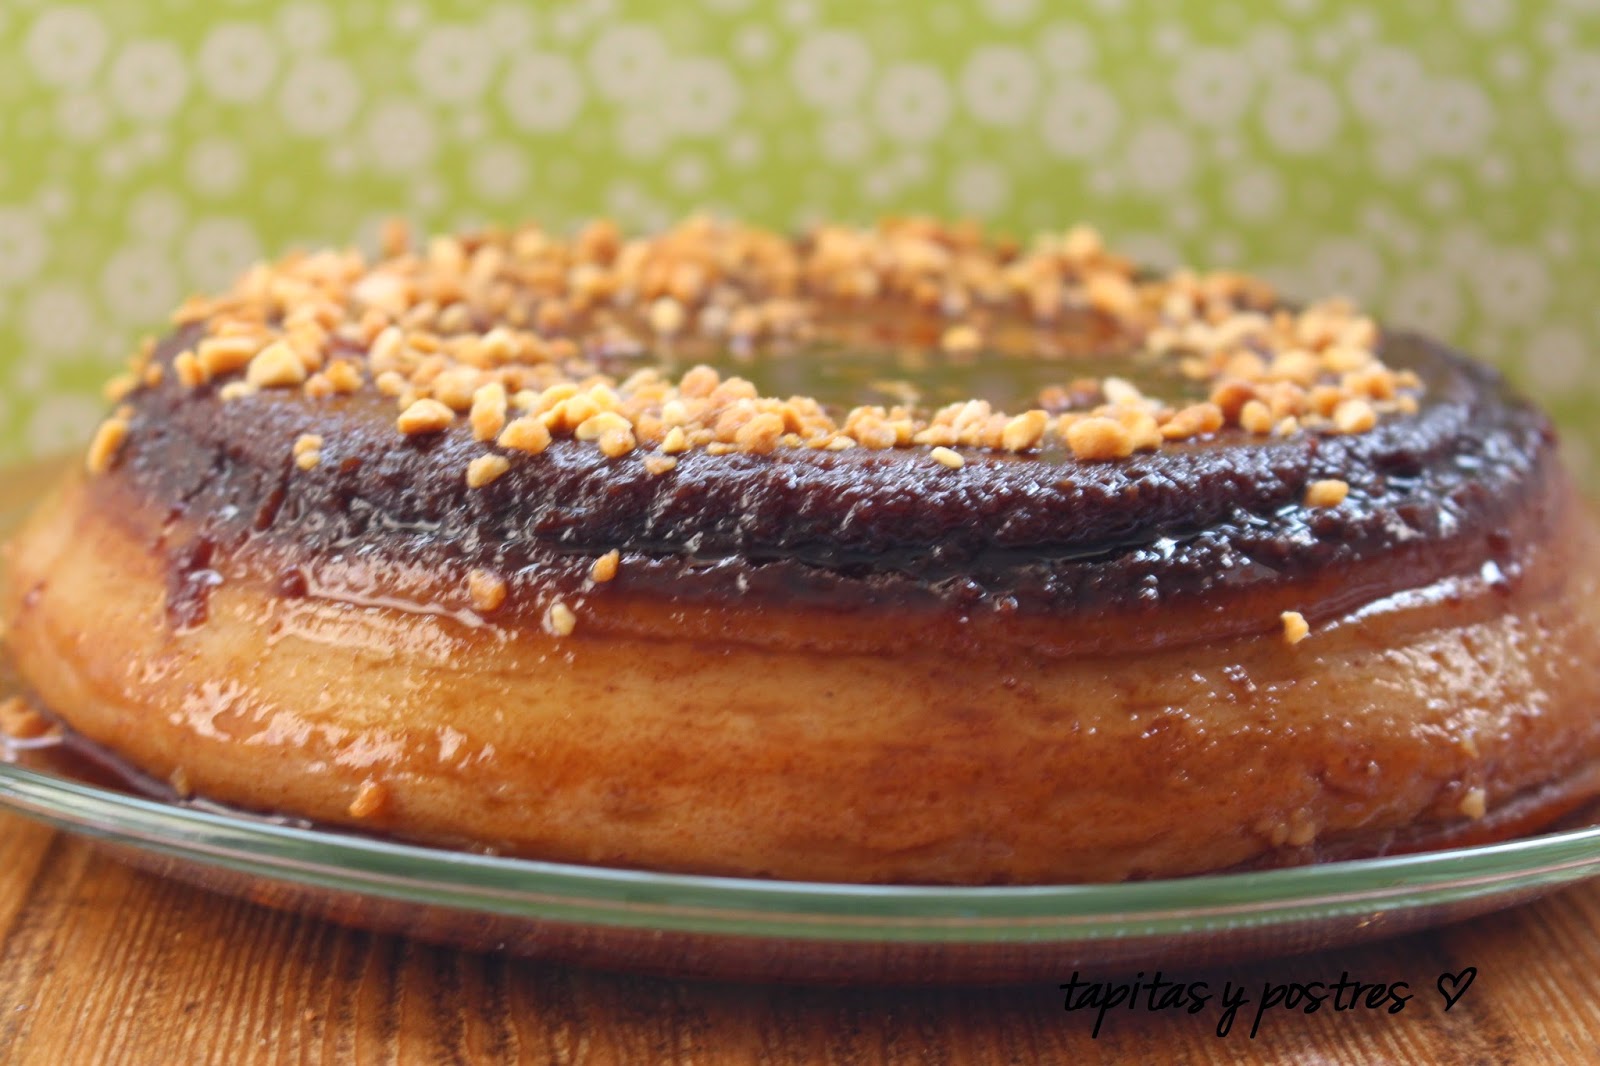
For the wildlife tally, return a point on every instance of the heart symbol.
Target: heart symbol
(1452, 986)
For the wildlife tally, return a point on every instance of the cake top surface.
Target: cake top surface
(647, 346)
(909, 416)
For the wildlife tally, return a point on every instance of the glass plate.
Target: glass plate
(729, 927)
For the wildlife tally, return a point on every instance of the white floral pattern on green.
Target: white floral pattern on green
(1437, 159)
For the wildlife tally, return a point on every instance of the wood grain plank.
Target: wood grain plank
(33, 950)
(24, 849)
(99, 963)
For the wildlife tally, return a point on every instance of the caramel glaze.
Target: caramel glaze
(998, 766)
(1204, 526)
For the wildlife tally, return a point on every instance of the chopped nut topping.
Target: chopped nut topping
(224, 355)
(667, 316)
(118, 388)
(1295, 628)
(1302, 828)
(371, 799)
(1024, 431)
(395, 236)
(1329, 493)
(108, 441)
(511, 327)
(597, 425)
(1275, 832)
(191, 375)
(605, 567)
(20, 721)
(1354, 416)
(1194, 421)
(488, 591)
(1099, 438)
(760, 434)
(615, 443)
(486, 469)
(1475, 804)
(425, 416)
(525, 435)
(961, 339)
(948, 457)
(660, 464)
(276, 366)
(344, 377)
(1256, 417)
(308, 451)
(559, 621)
(675, 441)
(699, 382)
(488, 416)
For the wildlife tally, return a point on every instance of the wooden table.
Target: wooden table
(99, 963)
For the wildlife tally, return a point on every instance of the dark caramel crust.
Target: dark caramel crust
(1432, 494)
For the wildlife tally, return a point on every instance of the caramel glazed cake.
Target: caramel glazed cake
(1046, 570)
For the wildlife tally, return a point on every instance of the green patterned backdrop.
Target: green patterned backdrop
(1437, 159)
